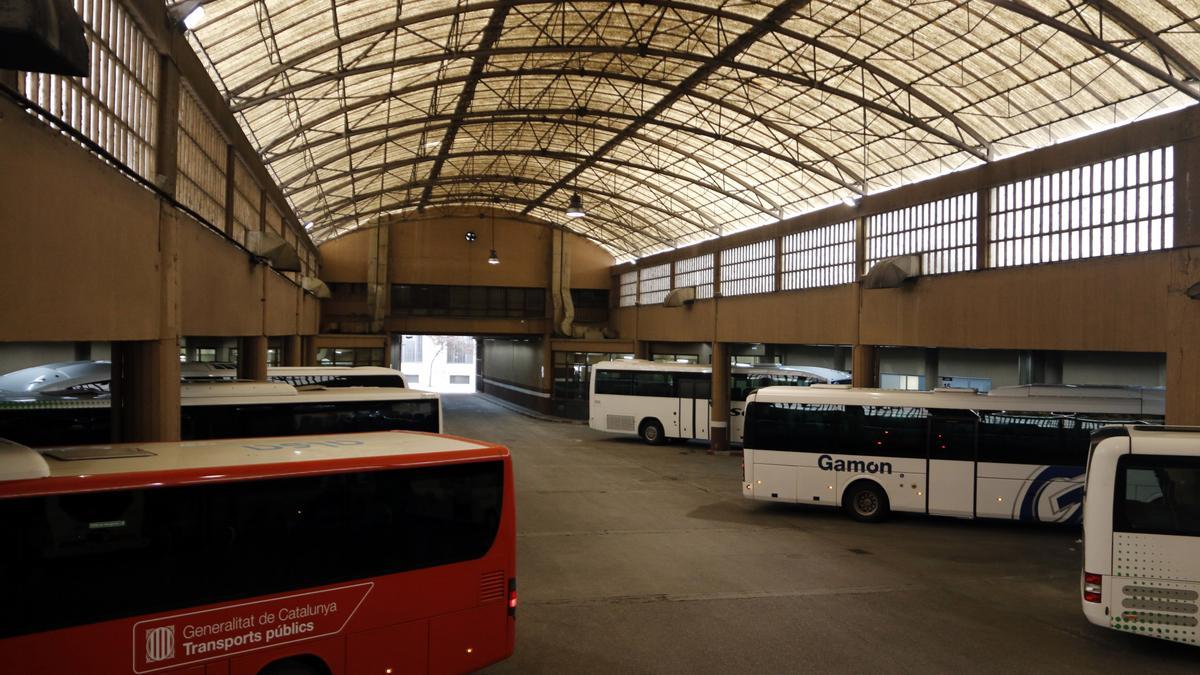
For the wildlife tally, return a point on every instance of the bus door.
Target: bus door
(693, 393)
(951, 463)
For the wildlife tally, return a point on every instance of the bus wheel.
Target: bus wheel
(652, 432)
(866, 502)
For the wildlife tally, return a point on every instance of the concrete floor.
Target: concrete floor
(641, 559)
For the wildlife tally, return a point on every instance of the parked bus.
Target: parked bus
(1141, 532)
(386, 552)
(663, 401)
(230, 410)
(1016, 452)
(91, 378)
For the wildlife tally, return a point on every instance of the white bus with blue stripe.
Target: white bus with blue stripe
(1016, 453)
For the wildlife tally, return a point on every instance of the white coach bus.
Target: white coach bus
(230, 410)
(1017, 453)
(1141, 532)
(663, 401)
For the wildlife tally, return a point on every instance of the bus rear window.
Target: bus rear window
(1157, 495)
(81, 558)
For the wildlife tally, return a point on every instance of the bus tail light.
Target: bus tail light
(512, 597)
(1091, 587)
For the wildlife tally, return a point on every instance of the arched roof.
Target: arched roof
(676, 121)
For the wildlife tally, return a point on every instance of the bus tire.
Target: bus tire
(866, 502)
(652, 432)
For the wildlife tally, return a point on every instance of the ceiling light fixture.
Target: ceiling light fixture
(494, 259)
(575, 206)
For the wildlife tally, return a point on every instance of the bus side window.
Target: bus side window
(952, 435)
(654, 384)
(614, 382)
(886, 431)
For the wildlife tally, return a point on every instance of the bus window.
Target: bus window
(653, 384)
(1027, 439)
(1157, 495)
(952, 435)
(885, 431)
(614, 382)
(794, 427)
(694, 386)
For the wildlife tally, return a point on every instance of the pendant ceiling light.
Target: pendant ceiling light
(494, 259)
(575, 206)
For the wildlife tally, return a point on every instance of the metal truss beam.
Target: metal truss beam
(491, 33)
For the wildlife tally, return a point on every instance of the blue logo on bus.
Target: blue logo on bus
(1054, 494)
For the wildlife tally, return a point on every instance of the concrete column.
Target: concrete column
(230, 187)
(1183, 350)
(641, 349)
(166, 145)
(252, 358)
(145, 390)
(718, 425)
(308, 350)
(866, 366)
(293, 350)
(932, 379)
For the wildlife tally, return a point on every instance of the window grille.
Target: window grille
(201, 161)
(748, 269)
(629, 289)
(653, 284)
(823, 256)
(942, 232)
(697, 272)
(115, 105)
(1118, 206)
(246, 201)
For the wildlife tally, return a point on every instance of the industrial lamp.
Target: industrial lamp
(494, 259)
(575, 206)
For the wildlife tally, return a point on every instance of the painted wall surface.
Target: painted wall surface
(432, 249)
(18, 355)
(223, 293)
(85, 249)
(1116, 303)
(79, 240)
(517, 362)
(1107, 304)
(1001, 367)
(799, 355)
(1125, 368)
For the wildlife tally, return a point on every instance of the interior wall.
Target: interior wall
(433, 249)
(1124, 368)
(1002, 367)
(18, 355)
(809, 355)
(517, 361)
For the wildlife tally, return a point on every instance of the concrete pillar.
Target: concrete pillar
(252, 358)
(293, 350)
(308, 347)
(1183, 350)
(932, 379)
(166, 144)
(718, 425)
(641, 349)
(145, 390)
(1040, 367)
(866, 366)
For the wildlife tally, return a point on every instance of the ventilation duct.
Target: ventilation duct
(42, 36)
(680, 297)
(316, 287)
(271, 247)
(893, 272)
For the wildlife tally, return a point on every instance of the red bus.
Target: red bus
(377, 553)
